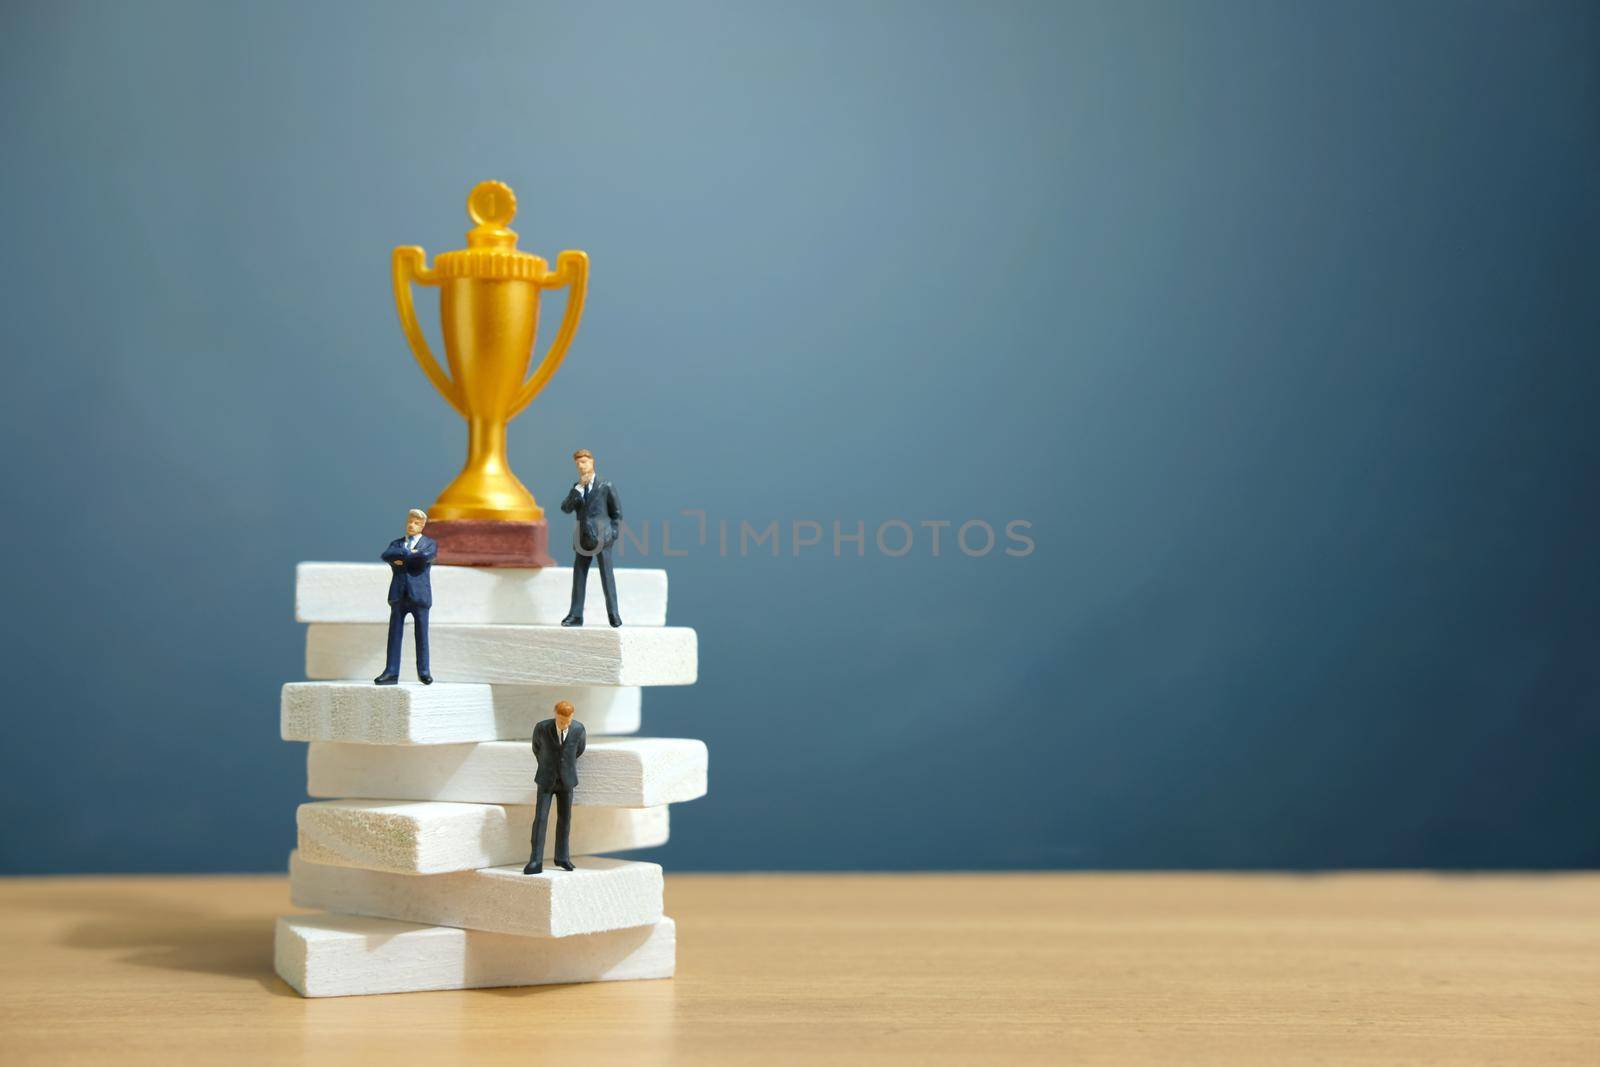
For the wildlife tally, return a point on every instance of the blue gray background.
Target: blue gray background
(1278, 322)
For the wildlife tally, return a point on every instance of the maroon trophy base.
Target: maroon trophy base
(491, 543)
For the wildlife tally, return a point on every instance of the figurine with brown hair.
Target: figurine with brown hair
(595, 504)
(557, 744)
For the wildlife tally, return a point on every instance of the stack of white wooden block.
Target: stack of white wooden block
(415, 860)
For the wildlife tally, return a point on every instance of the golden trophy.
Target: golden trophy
(489, 314)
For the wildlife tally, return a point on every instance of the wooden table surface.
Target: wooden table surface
(860, 968)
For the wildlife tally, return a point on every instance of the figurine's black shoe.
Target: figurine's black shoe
(572, 620)
(533, 868)
(565, 865)
(616, 620)
(425, 679)
(386, 679)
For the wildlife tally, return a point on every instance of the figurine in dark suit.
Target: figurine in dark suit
(410, 593)
(557, 744)
(595, 504)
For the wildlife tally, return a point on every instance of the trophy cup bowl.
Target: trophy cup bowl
(489, 317)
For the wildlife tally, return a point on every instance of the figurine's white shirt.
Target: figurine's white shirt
(562, 734)
(411, 542)
(582, 489)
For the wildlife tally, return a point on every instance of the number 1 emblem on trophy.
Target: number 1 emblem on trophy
(489, 315)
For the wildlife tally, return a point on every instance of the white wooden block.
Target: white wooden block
(518, 655)
(497, 596)
(621, 772)
(445, 712)
(351, 955)
(435, 837)
(602, 894)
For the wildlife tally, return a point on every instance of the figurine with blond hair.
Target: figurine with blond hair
(557, 744)
(594, 503)
(410, 593)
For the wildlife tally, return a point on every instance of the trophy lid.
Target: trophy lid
(491, 250)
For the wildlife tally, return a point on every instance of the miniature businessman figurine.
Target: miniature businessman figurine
(595, 503)
(410, 593)
(557, 744)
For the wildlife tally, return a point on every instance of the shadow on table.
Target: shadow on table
(156, 932)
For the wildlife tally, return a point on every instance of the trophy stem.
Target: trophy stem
(486, 488)
(486, 446)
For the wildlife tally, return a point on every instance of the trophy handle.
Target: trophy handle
(572, 268)
(408, 267)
